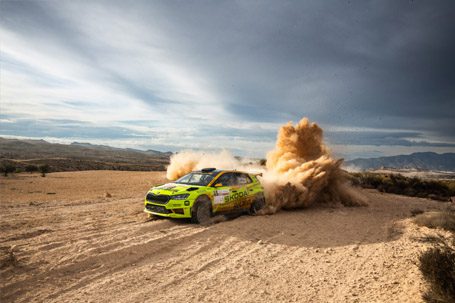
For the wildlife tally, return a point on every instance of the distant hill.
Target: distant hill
(80, 156)
(417, 161)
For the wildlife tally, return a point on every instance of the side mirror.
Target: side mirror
(218, 185)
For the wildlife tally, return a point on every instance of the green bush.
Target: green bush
(44, 169)
(7, 168)
(31, 168)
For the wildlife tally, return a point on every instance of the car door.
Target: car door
(243, 197)
(222, 196)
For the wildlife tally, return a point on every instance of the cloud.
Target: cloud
(201, 74)
(383, 137)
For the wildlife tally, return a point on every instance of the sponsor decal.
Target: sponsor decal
(219, 196)
(221, 192)
(235, 196)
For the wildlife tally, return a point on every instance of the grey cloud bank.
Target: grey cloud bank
(195, 74)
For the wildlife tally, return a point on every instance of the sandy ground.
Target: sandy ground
(73, 244)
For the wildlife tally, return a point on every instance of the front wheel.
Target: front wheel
(202, 211)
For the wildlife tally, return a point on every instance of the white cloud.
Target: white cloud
(168, 78)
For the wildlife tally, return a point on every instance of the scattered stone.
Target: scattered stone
(107, 195)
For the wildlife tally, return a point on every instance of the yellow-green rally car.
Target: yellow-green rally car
(201, 194)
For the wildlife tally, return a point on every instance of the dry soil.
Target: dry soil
(63, 239)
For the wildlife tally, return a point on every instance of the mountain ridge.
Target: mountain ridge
(79, 156)
(426, 161)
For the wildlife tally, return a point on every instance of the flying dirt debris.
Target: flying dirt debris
(299, 170)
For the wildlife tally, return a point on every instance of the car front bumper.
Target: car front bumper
(167, 210)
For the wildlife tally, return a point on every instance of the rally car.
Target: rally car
(201, 194)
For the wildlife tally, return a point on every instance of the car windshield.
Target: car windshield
(195, 179)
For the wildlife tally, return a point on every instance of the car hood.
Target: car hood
(173, 189)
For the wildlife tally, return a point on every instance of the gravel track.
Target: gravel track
(78, 246)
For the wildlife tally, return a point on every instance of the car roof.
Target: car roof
(215, 172)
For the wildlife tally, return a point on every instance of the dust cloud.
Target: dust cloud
(187, 161)
(299, 171)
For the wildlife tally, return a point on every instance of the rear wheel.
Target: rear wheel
(257, 205)
(202, 211)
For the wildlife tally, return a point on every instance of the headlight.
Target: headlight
(180, 197)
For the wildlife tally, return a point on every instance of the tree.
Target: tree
(7, 169)
(31, 168)
(44, 169)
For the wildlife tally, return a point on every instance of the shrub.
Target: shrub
(438, 268)
(7, 168)
(437, 219)
(44, 169)
(398, 184)
(31, 168)
(416, 211)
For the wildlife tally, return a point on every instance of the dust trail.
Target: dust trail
(187, 161)
(299, 171)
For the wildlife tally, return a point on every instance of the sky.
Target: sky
(377, 76)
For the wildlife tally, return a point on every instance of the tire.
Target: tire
(202, 211)
(257, 205)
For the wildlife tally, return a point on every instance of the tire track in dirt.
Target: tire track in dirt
(104, 250)
(81, 268)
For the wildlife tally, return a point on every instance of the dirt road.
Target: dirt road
(73, 244)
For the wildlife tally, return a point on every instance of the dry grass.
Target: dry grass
(416, 211)
(437, 264)
(438, 268)
(437, 219)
